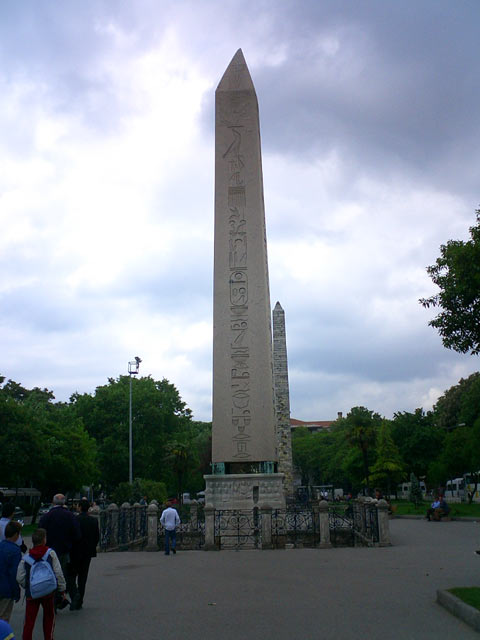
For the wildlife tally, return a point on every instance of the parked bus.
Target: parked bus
(455, 489)
(403, 490)
(24, 494)
(469, 480)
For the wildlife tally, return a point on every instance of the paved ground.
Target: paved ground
(303, 594)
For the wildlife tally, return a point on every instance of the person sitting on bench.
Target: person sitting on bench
(438, 510)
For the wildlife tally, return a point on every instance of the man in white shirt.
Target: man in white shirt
(170, 520)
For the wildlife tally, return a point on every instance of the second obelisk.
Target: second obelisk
(243, 438)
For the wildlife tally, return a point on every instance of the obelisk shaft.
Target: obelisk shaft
(282, 398)
(243, 400)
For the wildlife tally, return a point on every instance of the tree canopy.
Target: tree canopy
(457, 273)
(57, 446)
(434, 446)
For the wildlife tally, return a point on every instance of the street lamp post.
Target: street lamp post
(133, 367)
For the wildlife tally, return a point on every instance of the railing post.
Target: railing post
(152, 527)
(193, 517)
(266, 520)
(324, 525)
(137, 512)
(316, 524)
(359, 515)
(210, 529)
(95, 513)
(113, 513)
(124, 524)
(383, 524)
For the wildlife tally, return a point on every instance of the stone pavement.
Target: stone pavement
(304, 594)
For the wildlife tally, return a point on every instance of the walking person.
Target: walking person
(63, 530)
(170, 520)
(41, 583)
(81, 554)
(10, 556)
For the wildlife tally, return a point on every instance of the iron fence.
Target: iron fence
(189, 534)
(295, 525)
(238, 529)
(123, 528)
(341, 524)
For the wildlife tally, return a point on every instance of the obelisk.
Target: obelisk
(282, 398)
(244, 452)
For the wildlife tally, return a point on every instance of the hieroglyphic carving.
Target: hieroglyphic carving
(236, 111)
(238, 285)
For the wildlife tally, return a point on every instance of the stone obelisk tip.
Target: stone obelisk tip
(237, 76)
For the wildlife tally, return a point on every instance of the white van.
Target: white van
(403, 490)
(455, 490)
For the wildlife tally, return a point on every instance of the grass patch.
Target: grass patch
(404, 508)
(469, 595)
(28, 529)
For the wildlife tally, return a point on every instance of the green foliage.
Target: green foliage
(361, 427)
(388, 469)
(60, 447)
(418, 440)
(126, 492)
(459, 398)
(160, 420)
(457, 273)
(415, 495)
(42, 444)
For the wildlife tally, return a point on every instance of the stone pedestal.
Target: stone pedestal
(245, 491)
(152, 527)
(383, 524)
(324, 525)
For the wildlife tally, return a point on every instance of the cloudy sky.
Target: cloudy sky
(371, 156)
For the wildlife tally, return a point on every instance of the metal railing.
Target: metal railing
(238, 529)
(357, 524)
(297, 526)
(189, 534)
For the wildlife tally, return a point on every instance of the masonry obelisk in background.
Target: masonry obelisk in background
(244, 451)
(282, 398)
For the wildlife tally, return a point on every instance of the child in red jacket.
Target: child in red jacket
(38, 551)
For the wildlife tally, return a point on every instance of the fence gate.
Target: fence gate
(239, 529)
(189, 534)
(342, 530)
(296, 526)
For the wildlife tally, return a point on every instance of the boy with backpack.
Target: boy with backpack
(40, 574)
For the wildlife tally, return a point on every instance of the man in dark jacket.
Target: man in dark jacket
(63, 531)
(81, 554)
(10, 556)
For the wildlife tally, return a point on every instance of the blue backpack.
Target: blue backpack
(42, 580)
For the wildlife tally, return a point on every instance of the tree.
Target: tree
(126, 492)
(418, 439)
(42, 443)
(361, 432)
(415, 494)
(457, 273)
(302, 453)
(20, 445)
(447, 412)
(159, 416)
(388, 469)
